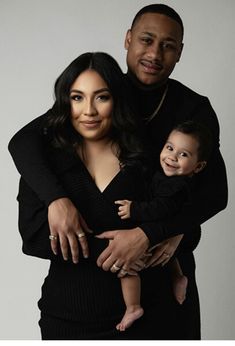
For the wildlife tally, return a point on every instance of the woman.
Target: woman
(91, 144)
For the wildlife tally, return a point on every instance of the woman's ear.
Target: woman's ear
(200, 166)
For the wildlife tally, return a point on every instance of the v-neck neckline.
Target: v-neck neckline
(93, 181)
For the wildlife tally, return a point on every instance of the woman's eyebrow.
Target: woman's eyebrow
(95, 92)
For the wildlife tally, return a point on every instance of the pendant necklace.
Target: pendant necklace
(149, 118)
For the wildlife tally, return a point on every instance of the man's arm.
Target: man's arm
(126, 247)
(27, 150)
(211, 192)
(35, 231)
(210, 198)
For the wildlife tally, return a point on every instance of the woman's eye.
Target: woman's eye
(168, 147)
(76, 97)
(104, 97)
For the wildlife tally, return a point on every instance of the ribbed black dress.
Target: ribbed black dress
(81, 301)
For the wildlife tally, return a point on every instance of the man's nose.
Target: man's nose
(155, 51)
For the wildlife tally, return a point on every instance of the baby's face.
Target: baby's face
(179, 155)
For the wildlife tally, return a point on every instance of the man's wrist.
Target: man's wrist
(56, 199)
(144, 237)
(154, 237)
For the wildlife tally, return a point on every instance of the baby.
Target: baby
(184, 154)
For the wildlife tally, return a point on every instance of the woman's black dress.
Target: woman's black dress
(81, 301)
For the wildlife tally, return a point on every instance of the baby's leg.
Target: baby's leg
(131, 286)
(180, 281)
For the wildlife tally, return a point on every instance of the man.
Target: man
(154, 45)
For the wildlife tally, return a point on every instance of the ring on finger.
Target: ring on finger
(166, 254)
(115, 268)
(123, 271)
(81, 235)
(52, 237)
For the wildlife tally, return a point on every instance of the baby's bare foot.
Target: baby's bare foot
(180, 287)
(132, 313)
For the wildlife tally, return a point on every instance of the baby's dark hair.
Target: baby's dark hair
(201, 133)
(161, 9)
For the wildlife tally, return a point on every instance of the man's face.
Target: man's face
(154, 46)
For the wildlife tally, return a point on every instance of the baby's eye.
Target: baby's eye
(184, 154)
(169, 147)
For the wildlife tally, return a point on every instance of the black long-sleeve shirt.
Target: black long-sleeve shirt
(167, 195)
(211, 192)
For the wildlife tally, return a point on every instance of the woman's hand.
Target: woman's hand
(162, 252)
(68, 228)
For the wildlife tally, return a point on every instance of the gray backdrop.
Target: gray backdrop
(38, 39)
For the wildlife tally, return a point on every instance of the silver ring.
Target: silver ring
(52, 237)
(123, 271)
(81, 235)
(166, 254)
(115, 268)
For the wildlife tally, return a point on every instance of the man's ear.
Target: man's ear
(127, 39)
(200, 166)
(180, 52)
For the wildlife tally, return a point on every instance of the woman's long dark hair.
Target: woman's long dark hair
(125, 127)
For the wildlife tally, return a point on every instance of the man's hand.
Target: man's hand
(162, 252)
(125, 248)
(68, 227)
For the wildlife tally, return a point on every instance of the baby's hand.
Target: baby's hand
(124, 209)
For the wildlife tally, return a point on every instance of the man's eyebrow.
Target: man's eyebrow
(150, 34)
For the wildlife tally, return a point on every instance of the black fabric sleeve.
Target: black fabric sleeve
(168, 196)
(34, 229)
(27, 150)
(211, 190)
(33, 223)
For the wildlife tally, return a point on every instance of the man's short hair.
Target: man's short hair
(161, 9)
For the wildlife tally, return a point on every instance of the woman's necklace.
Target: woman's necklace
(149, 118)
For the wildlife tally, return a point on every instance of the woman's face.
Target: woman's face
(91, 106)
